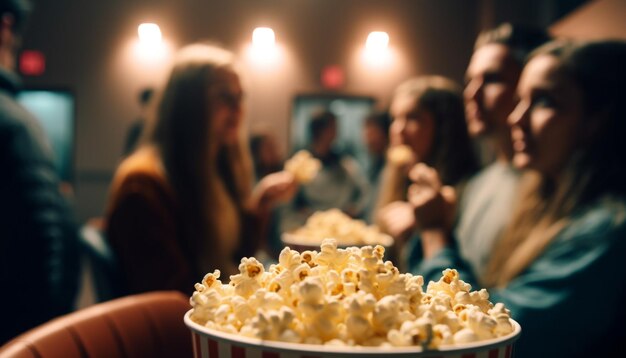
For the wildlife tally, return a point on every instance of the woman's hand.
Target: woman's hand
(274, 189)
(434, 204)
(397, 219)
(434, 208)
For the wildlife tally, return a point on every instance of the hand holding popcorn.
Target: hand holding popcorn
(303, 166)
(400, 155)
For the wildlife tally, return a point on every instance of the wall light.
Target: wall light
(263, 37)
(377, 40)
(376, 52)
(149, 33)
(150, 47)
(263, 49)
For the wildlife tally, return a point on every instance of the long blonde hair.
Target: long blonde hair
(181, 132)
(596, 170)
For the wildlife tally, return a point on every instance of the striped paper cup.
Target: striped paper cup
(209, 343)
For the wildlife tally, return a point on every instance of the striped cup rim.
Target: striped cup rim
(316, 349)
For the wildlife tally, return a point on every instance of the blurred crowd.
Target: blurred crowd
(539, 221)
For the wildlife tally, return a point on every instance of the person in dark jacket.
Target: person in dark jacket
(38, 239)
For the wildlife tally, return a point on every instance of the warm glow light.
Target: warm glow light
(376, 52)
(263, 49)
(263, 37)
(377, 40)
(149, 33)
(150, 46)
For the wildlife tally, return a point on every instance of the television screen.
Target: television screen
(55, 111)
(351, 112)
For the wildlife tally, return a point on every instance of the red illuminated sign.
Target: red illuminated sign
(332, 77)
(32, 63)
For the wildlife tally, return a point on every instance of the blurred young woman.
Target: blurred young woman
(183, 205)
(427, 117)
(559, 265)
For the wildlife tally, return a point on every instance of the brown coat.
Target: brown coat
(142, 227)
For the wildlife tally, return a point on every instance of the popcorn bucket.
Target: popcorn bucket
(209, 343)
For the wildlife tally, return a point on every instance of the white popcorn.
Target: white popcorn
(248, 280)
(303, 166)
(417, 332)
(336, 342)
(501, 315)
(335, 224)
(241, 309)
(465, 335)
(332, 257)
(344, 297)
(359, 308)
(448, 284)
(442, 335)
(482, 324)
(399, 155)
(390, 312)
(270, 325)
(289, 258)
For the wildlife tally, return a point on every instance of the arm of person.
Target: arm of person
(578, 284)
(397, 219)
(441, 255)
(568, 298)
(142, 230)
(39, 261)
(272, 190)
(434, 203)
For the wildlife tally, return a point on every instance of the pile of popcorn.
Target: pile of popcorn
(346, 297)
(303, 166)
(399, 155)
(335, 224)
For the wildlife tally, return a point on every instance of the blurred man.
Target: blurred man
(376, 140)
(491, 82)
(38, 240)
(339, 184)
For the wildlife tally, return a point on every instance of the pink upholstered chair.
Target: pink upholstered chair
(144, 325)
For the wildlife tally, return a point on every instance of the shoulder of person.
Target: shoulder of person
(21, 135)
(142, 172)
(13, 114)
(606, 217)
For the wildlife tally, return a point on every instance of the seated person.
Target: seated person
(265, 155)
(491, 78)
(182, 204)
(566, 238)
(339, 183)
(39, 252)
(429, 125)
(376, 140)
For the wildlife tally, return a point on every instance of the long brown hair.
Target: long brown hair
(181, 132)
(452, 154)
(596, 170)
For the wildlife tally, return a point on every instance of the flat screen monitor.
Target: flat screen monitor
(351, 112)
(55, 111)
